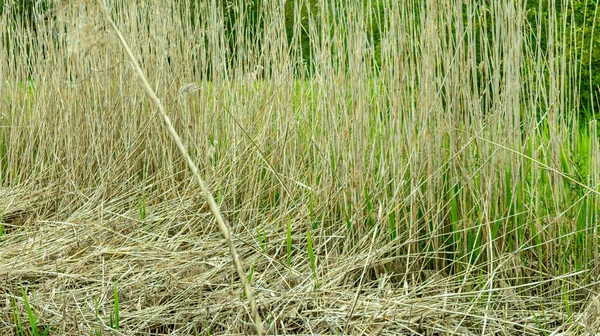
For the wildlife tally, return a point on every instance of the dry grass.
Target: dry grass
(443, 176)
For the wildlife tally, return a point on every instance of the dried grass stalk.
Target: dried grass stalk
(214, 208)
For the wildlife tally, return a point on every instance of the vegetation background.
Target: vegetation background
(580, 18)
(387, 167)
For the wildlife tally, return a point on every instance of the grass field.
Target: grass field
(441, 182)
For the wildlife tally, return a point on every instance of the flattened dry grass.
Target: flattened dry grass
(439, 182)
(173, 273)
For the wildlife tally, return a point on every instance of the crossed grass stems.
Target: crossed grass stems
(486, 200)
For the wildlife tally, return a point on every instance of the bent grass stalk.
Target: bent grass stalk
(223, 226)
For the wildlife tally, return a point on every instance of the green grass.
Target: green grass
(114, 315)
(142, 207)
(34, 329)
(17, 319)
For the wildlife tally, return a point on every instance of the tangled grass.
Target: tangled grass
(438, 183)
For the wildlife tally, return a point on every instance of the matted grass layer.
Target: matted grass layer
(173, 274)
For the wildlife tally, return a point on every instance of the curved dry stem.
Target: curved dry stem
(223, 226)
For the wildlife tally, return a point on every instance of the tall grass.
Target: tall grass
(441, 177)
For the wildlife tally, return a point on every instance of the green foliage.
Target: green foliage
(262, 239)
(17, 319)
(587, 32)
(20, 15)
(249, 277)
(576, 25)
(31, 316)
(26, 12)
(114, 315)
(244, 25)
(305, 11)
(142, 207)
(3, 159)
